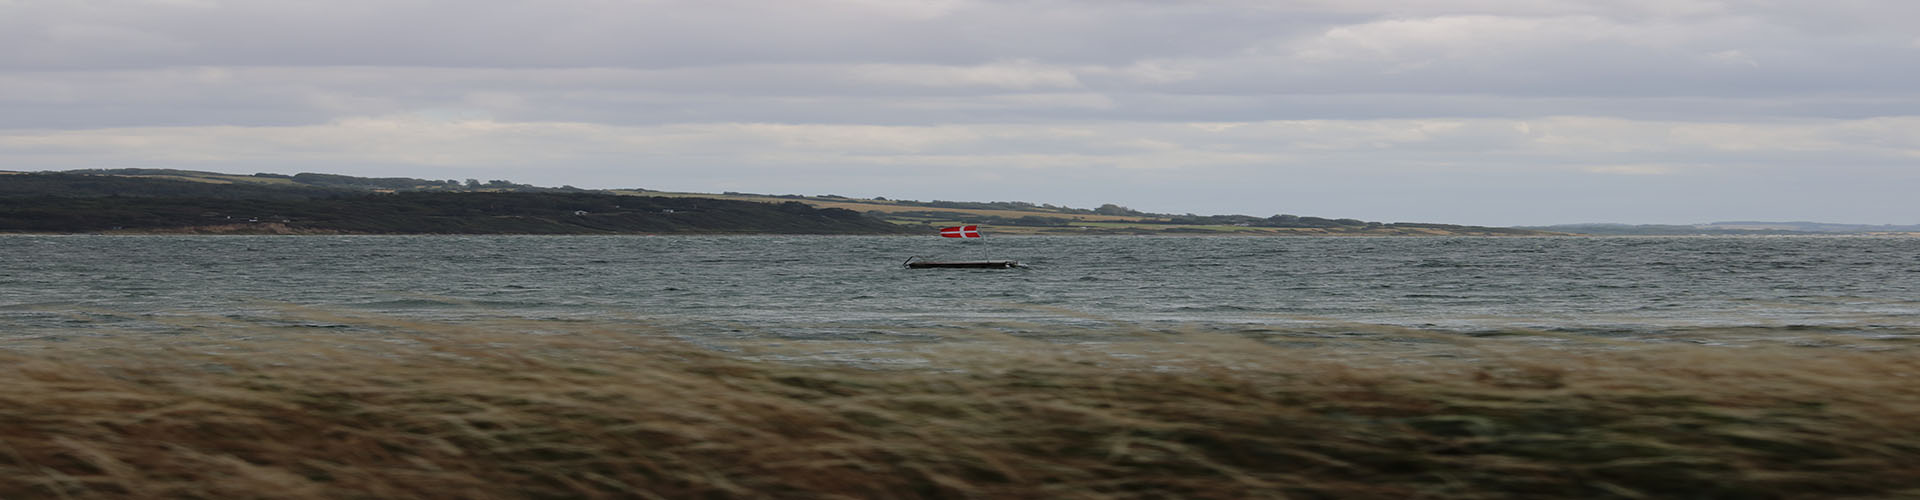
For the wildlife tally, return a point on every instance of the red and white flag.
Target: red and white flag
(960, 232)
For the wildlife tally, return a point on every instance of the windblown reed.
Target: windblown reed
(571, 410)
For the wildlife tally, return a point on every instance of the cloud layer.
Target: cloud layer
(1483, 112)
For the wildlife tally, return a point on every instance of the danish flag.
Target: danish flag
(960, 232)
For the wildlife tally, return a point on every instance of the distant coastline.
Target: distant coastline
(165, 201)
(174, 204)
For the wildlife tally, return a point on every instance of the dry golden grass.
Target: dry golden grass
(887, 206)
(388, 408)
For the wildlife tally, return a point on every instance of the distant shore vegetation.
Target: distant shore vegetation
(69, 202)
(190, 202)
(168, 201)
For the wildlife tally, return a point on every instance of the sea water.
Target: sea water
(837, 286)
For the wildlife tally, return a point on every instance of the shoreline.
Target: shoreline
(327, 232)
(283, 229)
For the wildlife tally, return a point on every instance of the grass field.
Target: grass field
(1081, 223)
(331, 405)
(864, 206)
(222, 179)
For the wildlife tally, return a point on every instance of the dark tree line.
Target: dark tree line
(426, 212)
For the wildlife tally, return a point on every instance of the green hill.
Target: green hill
(71, 202)
(1013, 217)
(166, 200)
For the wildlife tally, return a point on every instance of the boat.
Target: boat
(915, 263)
(963, 232)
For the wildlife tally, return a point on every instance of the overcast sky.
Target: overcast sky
(1492, 112)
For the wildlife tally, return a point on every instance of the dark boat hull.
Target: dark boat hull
(976, 264)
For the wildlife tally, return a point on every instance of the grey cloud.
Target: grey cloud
(412, 53)
(1465, 111)
(833, 94)
(580, 33)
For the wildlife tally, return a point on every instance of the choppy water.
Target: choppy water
(794, 286)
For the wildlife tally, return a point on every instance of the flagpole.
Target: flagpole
(984, 254)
